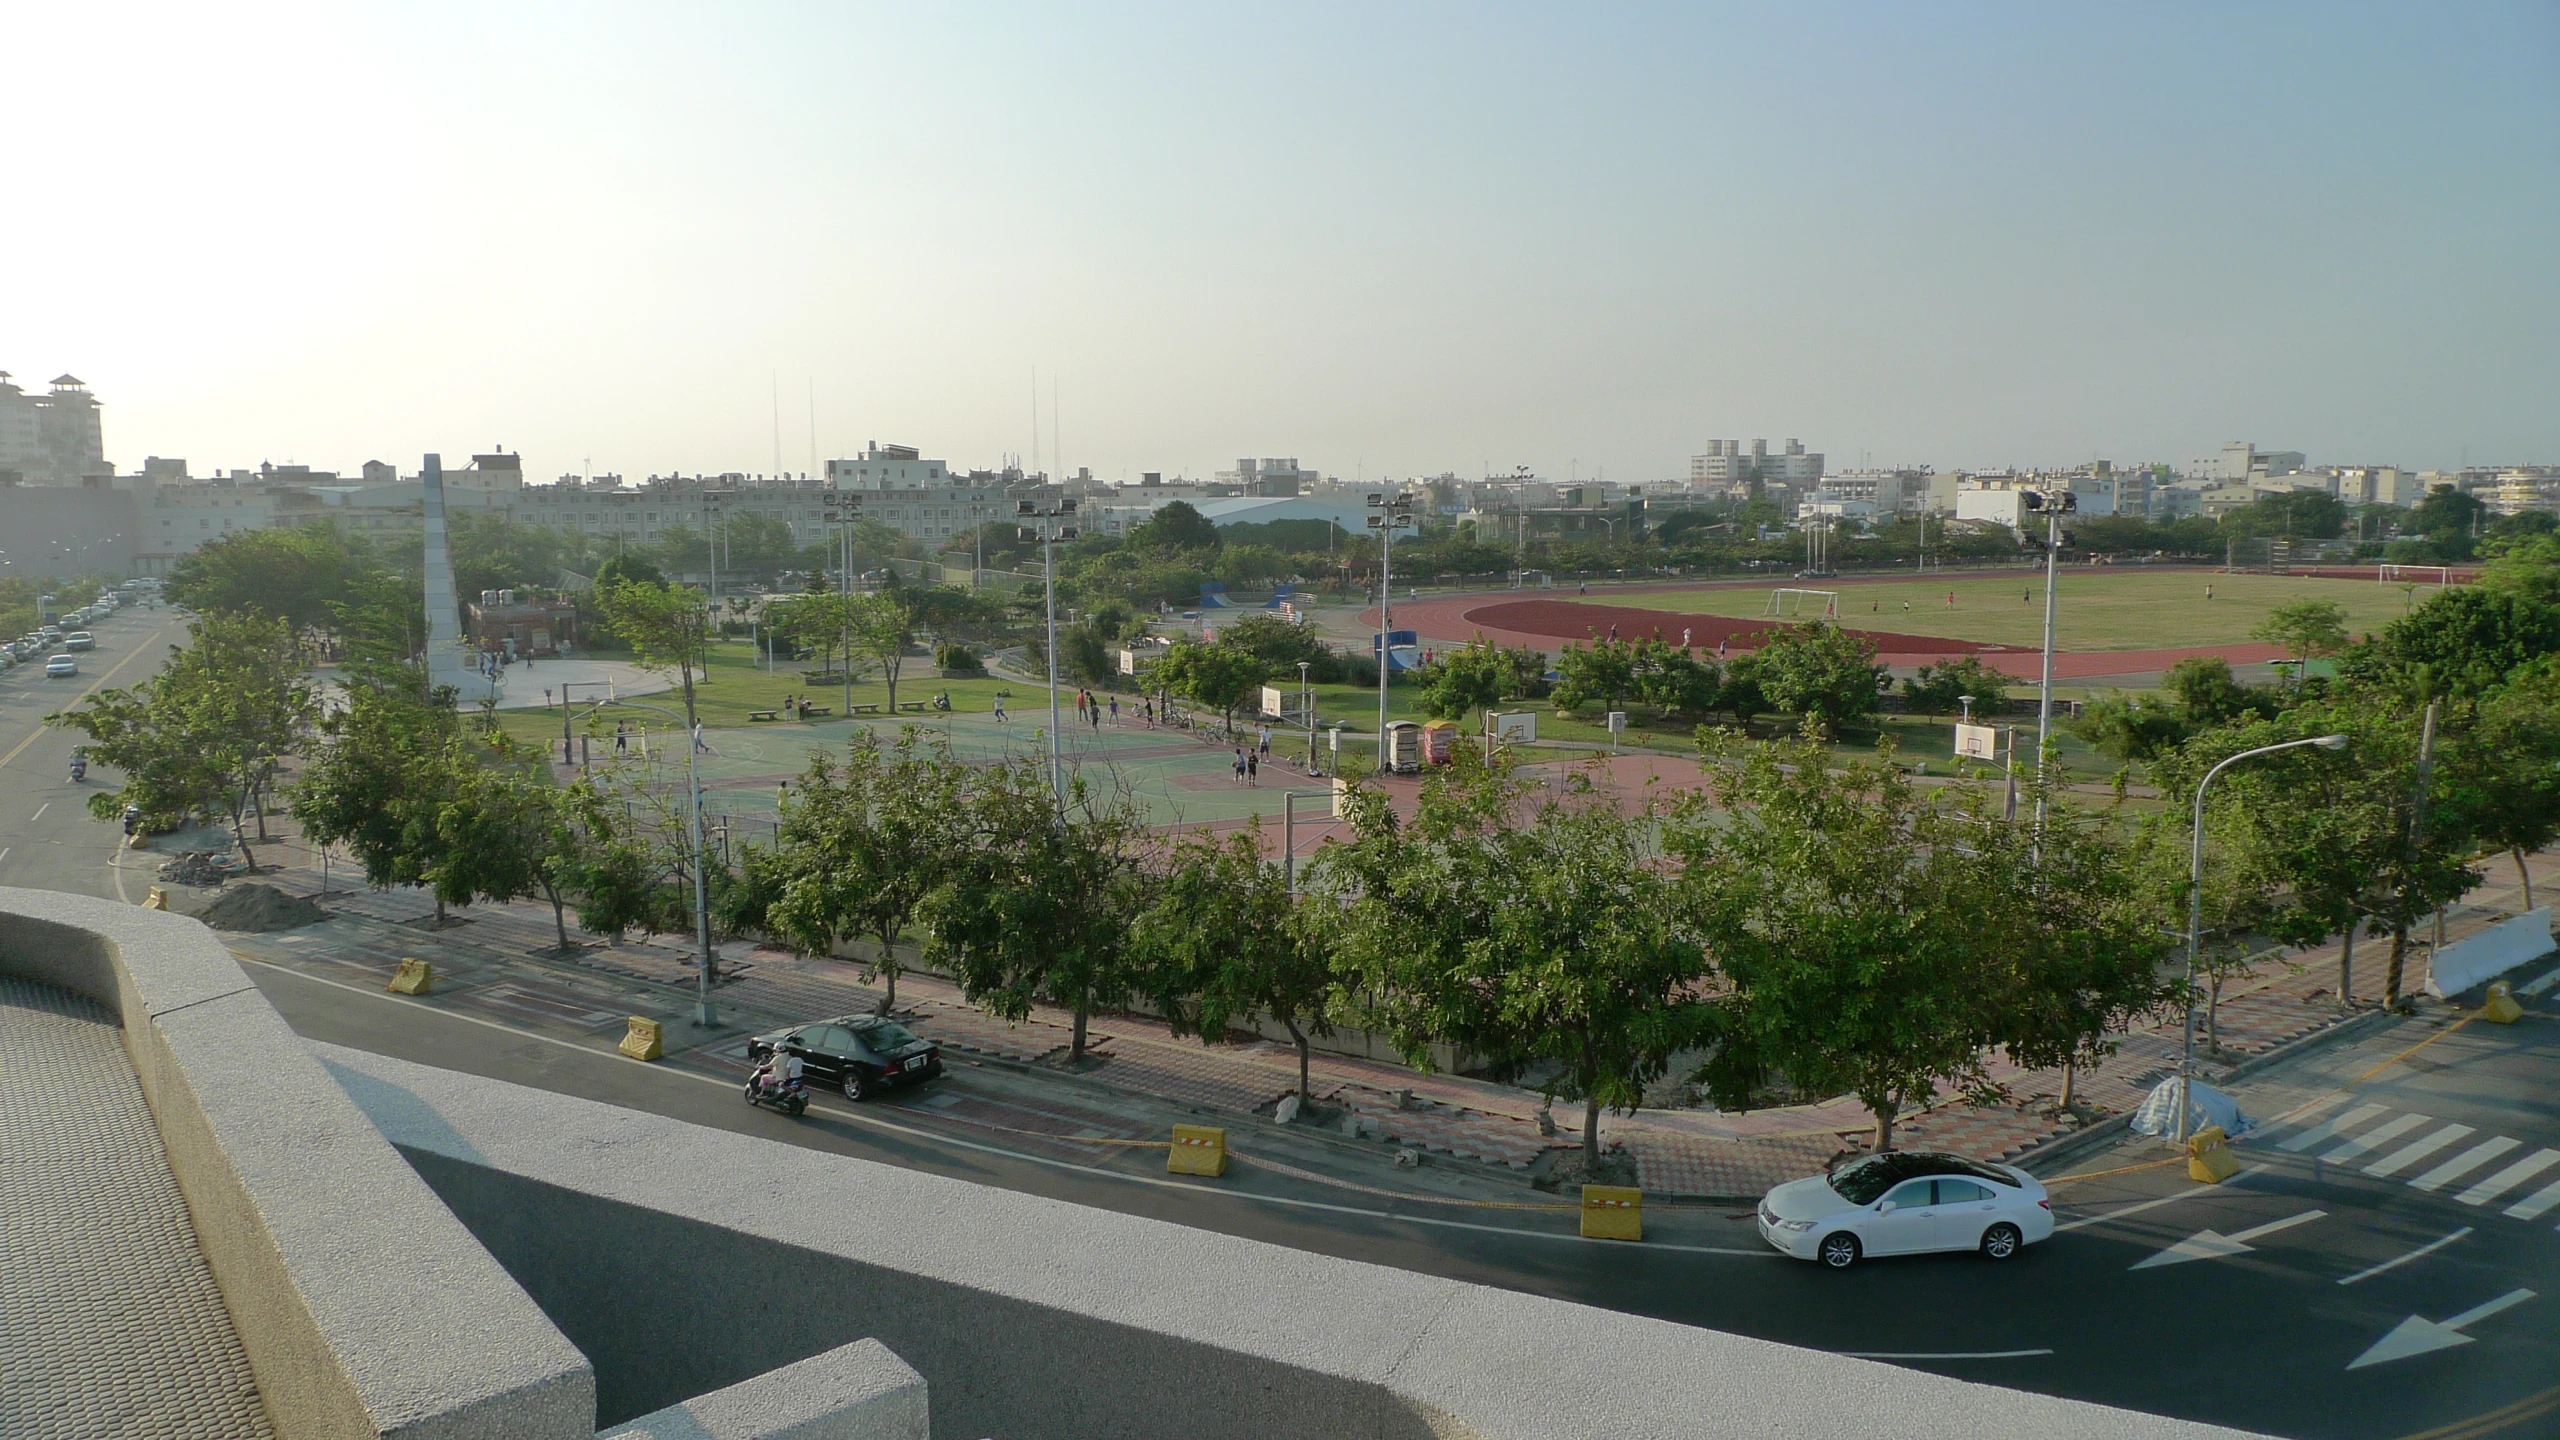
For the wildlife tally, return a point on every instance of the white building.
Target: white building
(54, 438)
(1726, 465)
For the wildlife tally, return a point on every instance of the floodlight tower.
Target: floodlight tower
(1048, 525)
(1390, 513)
(842, 508)
(2053, 507)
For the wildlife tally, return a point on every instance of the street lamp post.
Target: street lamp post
(2053, 507)
(704, 1015)
(841, 509)
(1393, 512)
(2195, 907)
(1047, 525)
(1307, 702)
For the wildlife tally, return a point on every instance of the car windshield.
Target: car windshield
(886, 1035)
(1862, 1182)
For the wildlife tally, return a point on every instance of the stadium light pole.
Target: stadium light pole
(843, 508)
(1392, 512)
(2053, 507)
(1046, 527)
(2195, 906)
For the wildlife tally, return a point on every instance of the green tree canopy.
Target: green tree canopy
(1177, 526)
(295, 573)
(1222, 942)
(1815, 669)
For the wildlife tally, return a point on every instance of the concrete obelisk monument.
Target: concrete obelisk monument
(450, 658)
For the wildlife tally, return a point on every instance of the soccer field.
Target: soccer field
(2102, 608)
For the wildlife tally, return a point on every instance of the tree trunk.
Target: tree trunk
(559, 915)
(1591, 1134)
(888, 968)
(1883, 1111)
(2391, 969)
(2347, 967)
(2524, 877)
(2213, 1014)
(240, 833)
(2070, 1073)
(439, 912)
(1075, 1048)
(1306, 1094)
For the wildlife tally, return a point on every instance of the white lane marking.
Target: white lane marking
(2421, 1252)
(39, 812)
(939, 1138)
(4, 852)
(2376, 1137)
(2536, 987)
(2418, 1335)
(2214, 1245)
(2464, 1163)
(2509, 1178)
(2538, 1204)
(2318, 1105)
(2343, 1123)
(2187, 1194)
(1938, 1354)
(2410, 1154)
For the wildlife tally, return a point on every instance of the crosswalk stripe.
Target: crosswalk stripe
(2379, 1135)
(2538, 1204)
(2417, 1150)
(2466, 1162)
(2320, 1132)
(2509, 1178)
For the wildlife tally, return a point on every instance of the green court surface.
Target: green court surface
(1174, 777)
(2101, 607)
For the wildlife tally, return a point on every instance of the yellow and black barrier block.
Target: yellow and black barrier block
(158, 899)
(2501, 1007)
(2209, 1157)
(1612, 1212)
(414, 977)
(646, 1039)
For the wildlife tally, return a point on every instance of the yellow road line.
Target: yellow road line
(85, 694)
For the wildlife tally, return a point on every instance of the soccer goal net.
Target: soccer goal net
(1786, 602)
(2416, 574)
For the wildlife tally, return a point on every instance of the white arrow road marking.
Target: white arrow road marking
(2325, 1130)
(2418, 1335)
(2509, 1178)
(2213, 1245)
(2170, 1199)
(2410, 1154)
(2421, 1252)
(2532, 1207)
(2464, 1163)
(2377, 1137)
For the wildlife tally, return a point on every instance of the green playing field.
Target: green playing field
(2102, 607)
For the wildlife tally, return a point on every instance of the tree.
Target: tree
(207, 733)
(2462, 642)
(1816, 669)
(2307, 514)
(2206, 695)
(1036, 897)
(1178, 526)
(384, 762)
(883, 625)
(1942, 689)
(2307, 629)
(1837, 904)
(1534, 930)
(1470, 677)
(860, 847)
(1278, 643)
(2129, 729)
(668, 627)
(505, 831)
(1602, 672)
(1223, 942)
(2507, 767)
(1674, 681)
(1218, 675)
(291, 572)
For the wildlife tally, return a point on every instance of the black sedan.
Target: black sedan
(858, 1054)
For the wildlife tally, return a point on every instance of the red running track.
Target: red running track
(1546, 624)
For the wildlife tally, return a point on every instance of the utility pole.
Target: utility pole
(2053, 507)
(1391, 513)
(1048, 528)
(2417, 834)
(843, 507)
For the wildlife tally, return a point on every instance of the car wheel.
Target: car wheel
(1839, 1251)
(2000, 1242)
(857, 1086)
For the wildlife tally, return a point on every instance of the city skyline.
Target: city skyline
(644, 241)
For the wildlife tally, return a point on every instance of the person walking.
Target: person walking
(1093, 714)
(1239, 765)
(1265, 747)
(1951, 599)
(1115, 710)
(1252, 769)
(1000, 707)
(621, 736)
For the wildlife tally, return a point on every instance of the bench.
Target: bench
(764, 714)
(866, 709)
(910, 704)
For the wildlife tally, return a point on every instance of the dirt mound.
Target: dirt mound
(201, 867)
(255, 909)
(1570, 620)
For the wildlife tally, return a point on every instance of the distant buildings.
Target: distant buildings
(51, 439)
(1725, 465)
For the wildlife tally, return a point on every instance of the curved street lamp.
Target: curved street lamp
(2195, 907)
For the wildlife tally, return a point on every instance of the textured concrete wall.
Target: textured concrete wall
(853, 1392)
(662, 1244)
(365, 1308)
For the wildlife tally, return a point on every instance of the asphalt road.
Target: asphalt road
(2314, 1262)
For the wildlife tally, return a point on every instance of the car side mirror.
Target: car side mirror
(1884, 1207)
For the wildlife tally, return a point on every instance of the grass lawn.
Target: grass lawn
(2102, 607)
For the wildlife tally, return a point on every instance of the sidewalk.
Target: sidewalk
(506, 953)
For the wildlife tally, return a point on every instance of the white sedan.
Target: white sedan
(1907, 1202)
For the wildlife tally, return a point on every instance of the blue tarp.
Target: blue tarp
(2205, 1106)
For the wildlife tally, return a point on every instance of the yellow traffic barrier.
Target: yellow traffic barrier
(1197, 1150)
(1612, 1212)
(414, 977)
(645, 1040)
(2501, 1008)
(2209, 1157)
(158, 899)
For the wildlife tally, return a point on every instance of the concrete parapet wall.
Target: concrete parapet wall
(364, 1307)
(853, 1392)
(684, 1258)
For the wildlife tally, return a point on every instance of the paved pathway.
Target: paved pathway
(110, 1323)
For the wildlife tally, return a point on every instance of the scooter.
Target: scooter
(767, 1088)
(79, 768)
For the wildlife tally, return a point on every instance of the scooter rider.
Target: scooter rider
(79, 765)
(132, 818)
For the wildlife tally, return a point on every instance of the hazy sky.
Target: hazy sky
(1383, 238)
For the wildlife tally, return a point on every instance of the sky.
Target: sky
(1384, 239)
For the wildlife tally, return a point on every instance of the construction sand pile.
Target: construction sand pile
(254, 909)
